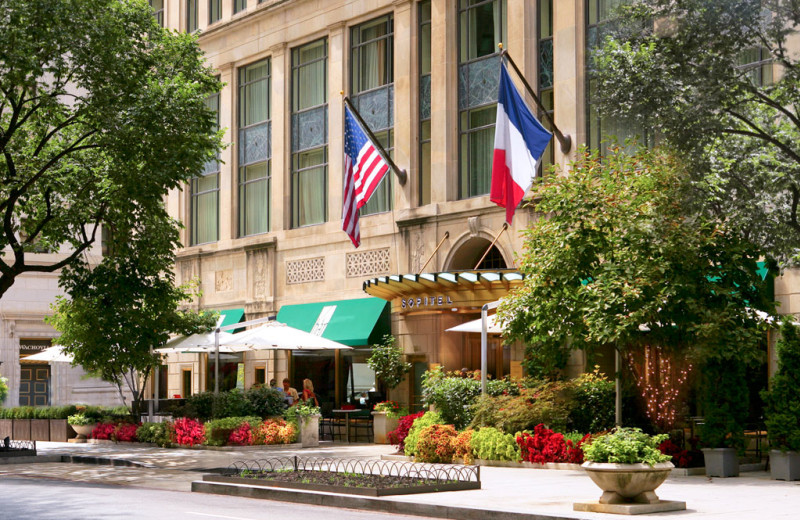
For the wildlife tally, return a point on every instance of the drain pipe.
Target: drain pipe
(484, 341)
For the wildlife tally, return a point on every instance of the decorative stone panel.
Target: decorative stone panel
(223, 280)
(368, 263)
(260, 279)
(304, 271)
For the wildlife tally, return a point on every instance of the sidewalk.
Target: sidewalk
(530, 492)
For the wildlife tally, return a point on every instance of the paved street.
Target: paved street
(64, 500)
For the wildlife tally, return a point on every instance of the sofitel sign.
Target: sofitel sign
(425, 301)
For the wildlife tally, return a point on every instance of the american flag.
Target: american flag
(364, 169)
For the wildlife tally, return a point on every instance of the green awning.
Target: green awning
(353, 322)
(231, 316)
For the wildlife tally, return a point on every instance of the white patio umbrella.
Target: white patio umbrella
(492, 327)
(279, 336)
(54, 354)
(208, 342)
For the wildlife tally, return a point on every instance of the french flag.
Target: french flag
(519, 142)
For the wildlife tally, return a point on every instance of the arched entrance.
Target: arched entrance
(465, 256)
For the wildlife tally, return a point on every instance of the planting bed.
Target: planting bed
(350, 476)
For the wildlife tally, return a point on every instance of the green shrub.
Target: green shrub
(156, 433)
(783, 399)
(626, 446)
(724, 403)
(265, 402)
(592, 408)
(436, 443)
(546, 404)
(492, 444)
(430, 418)
(41, 412)
(453, 397)
(218, 430)
(3, 389)
(205, 406)
(80, 419)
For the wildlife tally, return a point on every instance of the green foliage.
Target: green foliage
(156, 433)
(429, 419)
(3, 389)
(102, 112)
(265, 402)
(301, 409)
(80, 419)
(618, 252)
(729, 111)
(205, 406)
(218, 430)
(387, 362)
(452, 396)
(593, 407)
(38, 412)
(626, 446)
(724, 402)
(783, 398)
(492, 444)
(546, 404)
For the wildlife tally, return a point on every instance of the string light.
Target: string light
(662, 384)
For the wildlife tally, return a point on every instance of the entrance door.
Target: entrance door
(34, 385)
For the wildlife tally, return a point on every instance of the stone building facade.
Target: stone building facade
(263, 224)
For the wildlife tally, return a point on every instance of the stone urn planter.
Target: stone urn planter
(721, 462)
(784, 465)
(382, 424)
(628, 483)
(309, 431)
(83, 431)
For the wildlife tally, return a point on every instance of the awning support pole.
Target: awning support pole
(445, 237)
(216, 361)
(505, 226)
(485, 342)
(618, 388)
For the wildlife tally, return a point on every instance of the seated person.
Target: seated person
(273, 383)
(308, 393)
(291, 393)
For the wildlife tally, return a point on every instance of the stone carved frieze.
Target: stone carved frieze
(368, 263)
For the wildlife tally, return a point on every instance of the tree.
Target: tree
(618, 262)
(120, 309)
(387, 362)
(701, 77)
(102, 112)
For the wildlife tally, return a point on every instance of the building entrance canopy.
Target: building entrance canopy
(431, 292)
(358, 322)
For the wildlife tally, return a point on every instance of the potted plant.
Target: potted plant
(386, 416)
(306, 417)
(783, 407)
(725, 408)
(82, 424)
(627, 465)
(387, 362)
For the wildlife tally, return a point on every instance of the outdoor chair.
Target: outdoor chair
(361, 428)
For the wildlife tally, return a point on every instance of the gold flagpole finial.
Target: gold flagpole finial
(500, 46)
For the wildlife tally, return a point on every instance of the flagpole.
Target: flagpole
(505, 226)
(564, 140)
(401, 174)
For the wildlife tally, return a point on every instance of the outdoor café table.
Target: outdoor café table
(346, 421)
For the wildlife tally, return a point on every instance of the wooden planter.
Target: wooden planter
(21, 430)
(6, 429)
(40, 430)
(721, 462)
(784, 465)
(59, 431)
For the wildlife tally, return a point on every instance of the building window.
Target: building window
(425, 102)
(239, 5)
(546, 76)
(192, 23)
(158, 11)
(372, 82)
(255, 148)
(214, 11)
(309, 134)
(481, 27)
(204, 204)
(599, 20)
(757, 64)
(186, 383)
(260, 376)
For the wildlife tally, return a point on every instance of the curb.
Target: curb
(320, 498)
